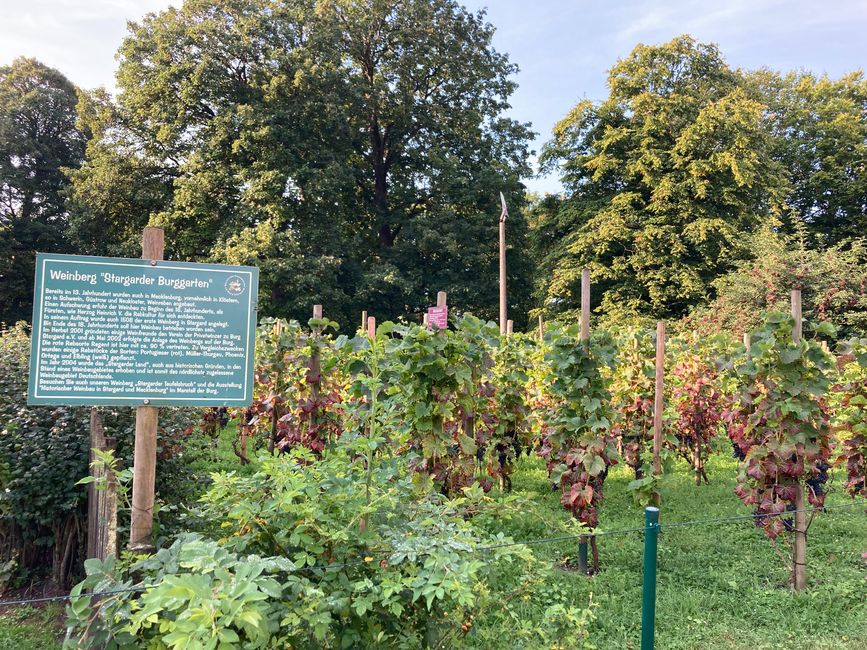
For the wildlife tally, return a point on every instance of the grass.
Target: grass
(719, 585)
(31, 628)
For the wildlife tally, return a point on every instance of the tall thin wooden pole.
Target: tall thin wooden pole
(314, 369)
(584, 337)
(799, 552)
(503, 309)
(585, 305)
(510, 327)
(145, 450)
(658, 403)
(541, 328)
(371, 327)
(102, 504)
(364, 320)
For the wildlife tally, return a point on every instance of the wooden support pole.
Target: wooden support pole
(371, 327)
(541, 328)
(97, 441)
(584, 337)
(799, 550)
(510, 327)
(798, 327)
(314, 369)
(658, 403)
(747, 342)
(102, 504)
(442, 299)
(425, 320)
(278, 384)
(145, 449)
(585, 305)
(503, 293)
(364, 320)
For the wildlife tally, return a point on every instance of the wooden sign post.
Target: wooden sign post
(439, 316)
(145, 449)
(158, 334)
(101, 504)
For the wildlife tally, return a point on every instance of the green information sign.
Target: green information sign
(110, 331)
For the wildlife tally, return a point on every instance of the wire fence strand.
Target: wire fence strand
(486, 548)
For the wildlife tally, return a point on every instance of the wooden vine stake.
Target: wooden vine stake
(799, 552)
(510, 327)
(585, 341)
(658, 402)
(362, 521)
(145, 450)
(314, 371)
(541, 328)
(275, 407)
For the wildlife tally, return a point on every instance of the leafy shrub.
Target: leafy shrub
(696, 403)
(833, 284)
(44, 451)
(850, 417)
(785, 421)
(293, 569)
(577, 445)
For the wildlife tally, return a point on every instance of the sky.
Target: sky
(564, 48)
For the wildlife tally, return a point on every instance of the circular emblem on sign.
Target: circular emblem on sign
(235, 285)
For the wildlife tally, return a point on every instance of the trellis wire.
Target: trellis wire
(478, 549)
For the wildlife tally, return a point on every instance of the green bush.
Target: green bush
(301, 557)
(44, 451)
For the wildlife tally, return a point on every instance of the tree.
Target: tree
(117, 188)
(664, 177)
(819, 128)
(833, 283)
(350, 148)
(38, 140)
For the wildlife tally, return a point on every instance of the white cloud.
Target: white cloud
(78, 37)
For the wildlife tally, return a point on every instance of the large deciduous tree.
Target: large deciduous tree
(819, 128)
(354, 149)
(664, 177)
(833, 284)
(38, 139)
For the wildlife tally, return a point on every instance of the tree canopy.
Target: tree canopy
(38, 140)
(354, 150)
(819, 131)
(351, 149)
(663, 176)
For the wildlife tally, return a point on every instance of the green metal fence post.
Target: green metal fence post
(648, 585)
(582, 555)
